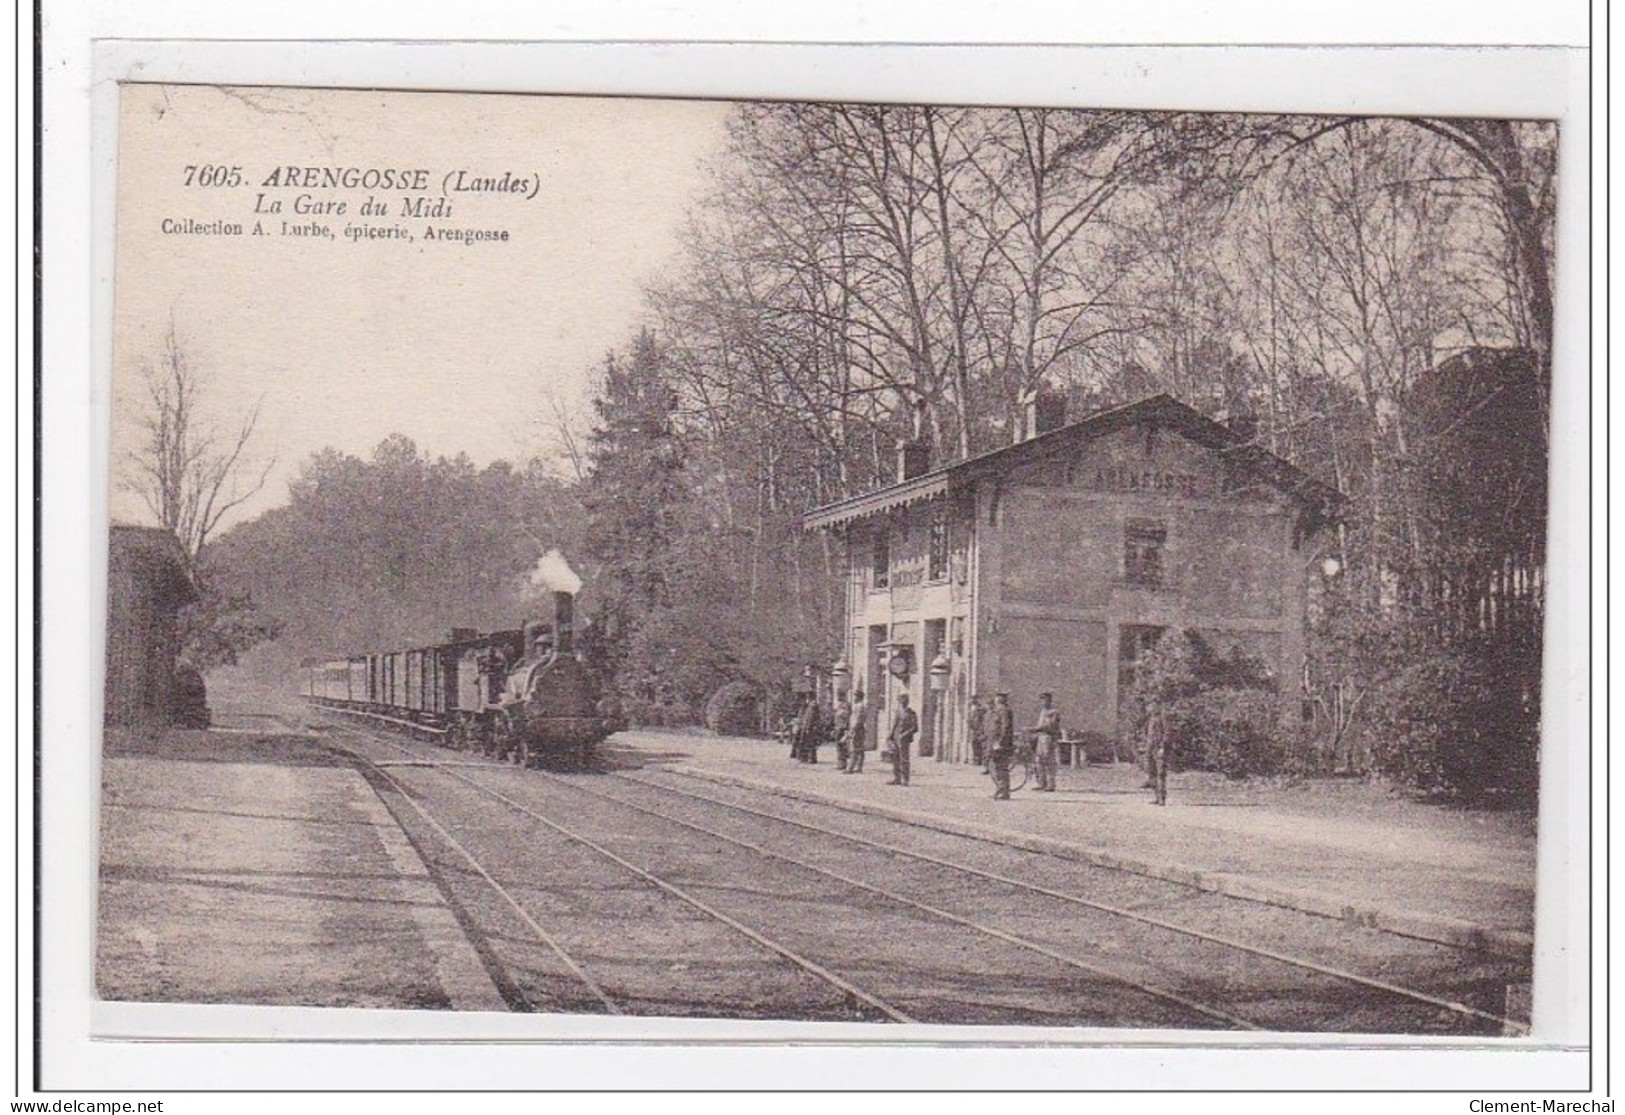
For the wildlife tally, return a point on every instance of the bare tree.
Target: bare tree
(557, 434)
(188, 468)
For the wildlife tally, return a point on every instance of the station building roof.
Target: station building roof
(1317, 502)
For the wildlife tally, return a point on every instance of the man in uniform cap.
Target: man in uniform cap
(905, 726)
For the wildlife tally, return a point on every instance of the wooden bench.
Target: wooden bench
(1091, 747)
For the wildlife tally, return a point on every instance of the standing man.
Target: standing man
(803, 722)
(840, 728)
(1047, 734)
(856, 733)
(1157, 758)
(812, 729)
(905, 725)
(1002, 746)
(977, 723)
(793, 724)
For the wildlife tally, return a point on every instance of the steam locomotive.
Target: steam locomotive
(522, 695)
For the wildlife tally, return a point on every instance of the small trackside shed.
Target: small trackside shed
(147, 586)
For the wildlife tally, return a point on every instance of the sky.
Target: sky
(457, 345)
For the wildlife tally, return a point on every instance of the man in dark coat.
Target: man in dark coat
(812, 729)
(1002, 745)
(798, 730)
(905, 725)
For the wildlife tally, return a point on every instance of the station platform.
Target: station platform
(248, 865)
(1341, 848)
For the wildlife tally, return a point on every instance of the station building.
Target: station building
(1053, 564)
(147, 585)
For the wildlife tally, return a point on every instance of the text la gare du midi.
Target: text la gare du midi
(421, 195)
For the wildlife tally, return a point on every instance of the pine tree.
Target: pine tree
(636, 494)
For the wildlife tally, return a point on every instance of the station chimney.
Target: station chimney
(914, 453)
(913, 457)
(1044, 412)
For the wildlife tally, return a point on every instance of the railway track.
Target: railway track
(1365, 983)
(1272, 984)
(505, 955)
(1158, 1007)
(483, 945)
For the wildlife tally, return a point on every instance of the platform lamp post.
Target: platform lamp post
(936, 680)
(880, 692)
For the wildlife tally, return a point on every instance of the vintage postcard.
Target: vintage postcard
(875, 566)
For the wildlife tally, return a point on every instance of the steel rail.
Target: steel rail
(946, 915)
(811, 966)
(542, 934)
(382, 718)
(1241, 946)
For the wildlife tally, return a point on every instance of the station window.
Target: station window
(937, 557)
(1143, 544)
(880, 559)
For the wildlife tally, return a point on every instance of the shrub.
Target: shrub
(735, 710)
(1219, 712)
(1233, 730)
(1431, 726)
(1441, 712)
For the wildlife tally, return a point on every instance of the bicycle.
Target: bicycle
(1023, 764)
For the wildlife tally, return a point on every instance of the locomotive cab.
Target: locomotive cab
(551, 699)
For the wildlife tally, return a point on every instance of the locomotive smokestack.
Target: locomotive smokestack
(553, 574)
(564, 609)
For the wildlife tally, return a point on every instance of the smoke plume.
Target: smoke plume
(553, 574)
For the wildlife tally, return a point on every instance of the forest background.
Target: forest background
(1375, 294)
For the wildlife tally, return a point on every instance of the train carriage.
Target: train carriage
(416, 697)
(336, 681)
(390, 695)
(326, 683)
